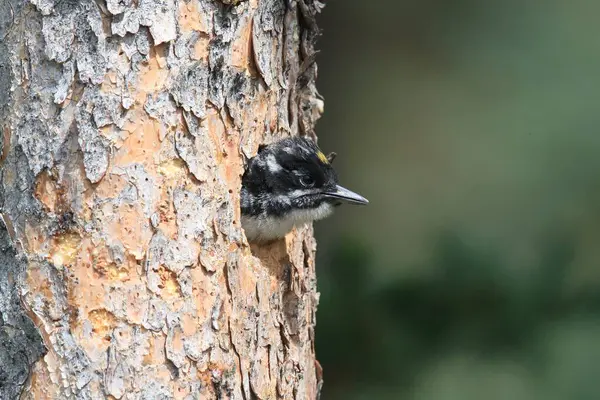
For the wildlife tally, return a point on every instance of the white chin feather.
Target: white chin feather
(269, 228)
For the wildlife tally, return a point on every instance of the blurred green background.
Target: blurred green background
(473, 129)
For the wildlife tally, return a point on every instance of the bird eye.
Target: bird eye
(307, 181)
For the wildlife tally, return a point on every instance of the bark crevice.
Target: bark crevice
(20, 342)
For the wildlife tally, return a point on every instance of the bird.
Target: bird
(289, 183)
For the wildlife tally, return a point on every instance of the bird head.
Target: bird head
(294, 174)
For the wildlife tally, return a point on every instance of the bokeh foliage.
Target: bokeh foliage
(473, 129)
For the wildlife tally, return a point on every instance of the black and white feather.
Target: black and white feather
(289, 183)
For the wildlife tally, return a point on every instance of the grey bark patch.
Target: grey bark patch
(193, 214)
(153, 390)
(190, 90)
(158, 15)
(44, 6)
(62, 89)
(107, 110)
(36, 139)
(144, 184)
(70, 158)
(143, 42)
(58, 34)
(54, 311)
(225, 218)
(310, 110)
(95, 159)
(116, 374)
(198, 152)
(156, 313)
(243, 333)
(6, 77)
(90, 55)
(118, 6)
(241, 90)
(184, 44)
(175, 354)
(267, 25)
(218, 52)
(40, 126)
(155, 220)
(225, 23)
(76, 372)
(185, 281)
(127, 22)
(291, 309)
(95, 149)
(20, 343)
(127, 44)
(154, 259)
(193, 124)
(191, 345)
(163, 26)
(16, 193)
(178, 255)
(9, 10)
(162, 109)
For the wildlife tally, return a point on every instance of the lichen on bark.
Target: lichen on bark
(124, 126)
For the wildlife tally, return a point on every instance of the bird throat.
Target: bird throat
(266, 227)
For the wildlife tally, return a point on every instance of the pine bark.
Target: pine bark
(124, 272)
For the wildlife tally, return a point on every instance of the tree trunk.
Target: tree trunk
(124, 273)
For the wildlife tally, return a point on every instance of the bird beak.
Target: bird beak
(347, 196)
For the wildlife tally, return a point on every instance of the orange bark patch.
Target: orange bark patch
(103, 322)
(168, 283)
(168, 219)
(201, 48)
(204, 294)
(248, 278)
(177, 341)
(189, 324)
(174, 174)
(107, 268)
(141, 144)
(136, 309)
(233, 167)
(109, 85)
(216, 126)
(43, 372)
(210, 260)
(216, 131)
(190, 18)
(36, 241)
(181, 390)
(45, 191)
(5, 143)
(153, 75)
(86, 286)
(173, 168)
(156, 351)
(38, 283)
(241, 51)
(130, 227)
(64, 249)
(115, 272)
(110, 186)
